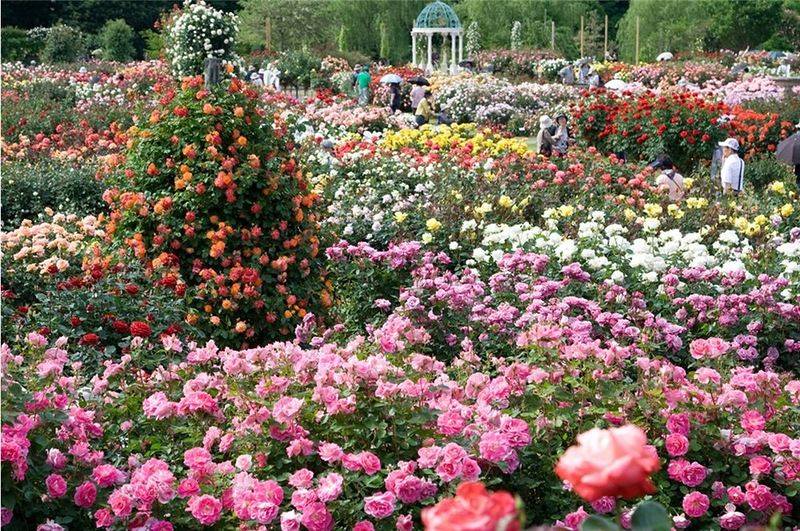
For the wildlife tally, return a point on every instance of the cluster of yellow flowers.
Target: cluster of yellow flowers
(445, 137)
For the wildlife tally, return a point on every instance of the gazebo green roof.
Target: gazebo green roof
(437, 15)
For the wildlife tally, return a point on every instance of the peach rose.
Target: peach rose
(473, 509)
(615, 462)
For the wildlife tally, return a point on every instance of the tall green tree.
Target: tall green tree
(294, 24)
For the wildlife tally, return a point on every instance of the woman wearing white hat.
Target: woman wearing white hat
(544, 140)
(732, 173)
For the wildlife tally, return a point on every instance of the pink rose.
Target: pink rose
(290, 521)
(196, 458)
(759, 497)
(56, 486)
(693, 474)
(188, 487)
(120, 503)
(103, 518)
(428, 456)
(615, 462)
(301, 479)
(206, 508)
(55, 458)
(450, 423)
(676, 444)
(576, 518)
(379, 505)
(364, 525)
(161, 525)
(494, 447)
(107, 475)
(760, 465)
(330, 487)
(604, 505)
(678, 423)
(473, 509)
(316, 517)
(732, 520)
(330, 452)
(710, 348)
(85, 495)
(404, 523)
(286, 408)
(369, 462)
(695, 504)
(753, 421)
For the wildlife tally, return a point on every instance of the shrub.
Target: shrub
(199, 32)
(28, 189)
(16, 44)
(63, 44)
(209, 192)
(153, 44)
(116, 41)
(765, 169)
(298, 68)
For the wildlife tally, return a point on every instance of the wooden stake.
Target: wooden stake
(605, 41)
(582, 36)
(553, 34)
(267, 34)
(637, 40)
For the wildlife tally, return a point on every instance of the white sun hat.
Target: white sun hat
(730, 143)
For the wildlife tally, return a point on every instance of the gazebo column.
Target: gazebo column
(460, 47)
(413, 48)
(453, 53)
(430, 52)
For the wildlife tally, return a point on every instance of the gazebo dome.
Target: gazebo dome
(437, 15)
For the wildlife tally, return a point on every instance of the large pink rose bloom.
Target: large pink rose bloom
(615, 462)
(473, 509)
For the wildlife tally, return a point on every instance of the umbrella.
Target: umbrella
(419, 80)
(616, 84)
(776, 55)
(666, 56)
(789, 150)
(391, 78)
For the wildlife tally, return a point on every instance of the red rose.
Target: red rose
(131, 289)
(140, 329)
(75, 321)
(473, 507)
(90, 339)
(120, 327)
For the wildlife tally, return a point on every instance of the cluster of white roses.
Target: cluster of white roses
(198, 33)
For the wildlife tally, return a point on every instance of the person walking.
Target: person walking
(544, 140)
(567, 75)
(732, 172)
(364, 80)
(669, 179)
(417, 93)
(561, 136)
(396, 100)
(424, 113)
(583, 73)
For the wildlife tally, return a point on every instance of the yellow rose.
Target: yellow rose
(777, 187)
(787, 209)
(505, 201)
(400, 217)
(433, 225)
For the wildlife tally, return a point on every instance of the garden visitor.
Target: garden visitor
(669, 180)
(732, 173)
(594, 78)
(354, 79)
(561, 136)
(417, 93)
(397, 99)
(583, 73)
(364, 80)
(567, 75)
(544, 140)
(424, 113)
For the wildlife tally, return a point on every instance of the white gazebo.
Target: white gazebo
(438, 18)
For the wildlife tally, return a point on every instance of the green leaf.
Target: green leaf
(651, 516)
(598, 523)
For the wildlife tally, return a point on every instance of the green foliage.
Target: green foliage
(298, 68)
(16, 44)
(293, 23)
(153, 44)
(63, 45)
(764, 169)
(116, 41)
(384, 53)
(28, 189)
(341, 39)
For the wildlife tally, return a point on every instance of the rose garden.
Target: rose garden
(236, 307)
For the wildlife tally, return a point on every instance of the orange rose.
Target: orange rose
(615, 462)
(473, 509)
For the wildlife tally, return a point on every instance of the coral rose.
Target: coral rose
(473, 509)
(615, 462)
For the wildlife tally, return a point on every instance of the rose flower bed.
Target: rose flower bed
(210, 197)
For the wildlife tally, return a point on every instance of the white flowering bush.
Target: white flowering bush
(516, 35)
(473, 39)
(200, 32)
